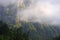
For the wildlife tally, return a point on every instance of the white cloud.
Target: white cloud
(42, 11)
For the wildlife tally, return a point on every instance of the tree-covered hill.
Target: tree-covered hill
(40, 31)
(28, 31)
(12, 34)
(24, 30)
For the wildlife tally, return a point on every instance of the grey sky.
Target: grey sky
(7, 2)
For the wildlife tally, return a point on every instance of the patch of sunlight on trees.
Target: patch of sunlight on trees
(42, 27)
(18, 25)
(22, 6)
(31, 27)
(7, 11)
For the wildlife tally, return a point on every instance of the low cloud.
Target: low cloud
(43, 11)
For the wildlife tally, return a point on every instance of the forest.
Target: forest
(8, 32)
(13, 25)
(12, 34)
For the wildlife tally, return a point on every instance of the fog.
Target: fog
(42, 11)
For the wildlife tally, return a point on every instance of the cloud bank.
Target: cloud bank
(43, 11)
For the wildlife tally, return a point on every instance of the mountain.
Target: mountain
(40, 31)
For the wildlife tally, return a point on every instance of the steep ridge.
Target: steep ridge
(40, 31)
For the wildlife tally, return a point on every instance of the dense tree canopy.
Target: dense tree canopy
(10, 34)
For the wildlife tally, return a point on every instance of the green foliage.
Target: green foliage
(56, 38)
(18, 32)
(12, 34)
(32, 27)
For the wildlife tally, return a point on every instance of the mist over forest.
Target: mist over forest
(42, 11)
(29, 19)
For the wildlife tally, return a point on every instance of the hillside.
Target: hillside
(40, 31)
(37, 30)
